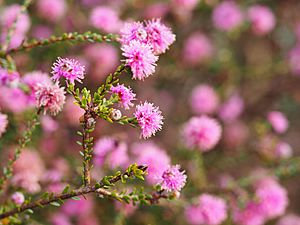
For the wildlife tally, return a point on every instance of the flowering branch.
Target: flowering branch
(87, 36)
(23, 141)
(132, 172)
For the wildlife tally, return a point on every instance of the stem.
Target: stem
(87, 36)
(12, 29)
(64, 196)
(23, 141)
(87, 143)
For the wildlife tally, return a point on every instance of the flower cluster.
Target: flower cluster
(142, 43)
(173, 179)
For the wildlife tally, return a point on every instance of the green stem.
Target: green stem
(23, 141)
(87, 36)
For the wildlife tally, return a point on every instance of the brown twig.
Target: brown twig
(64, 196)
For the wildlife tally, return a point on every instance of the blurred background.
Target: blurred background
(236, 61)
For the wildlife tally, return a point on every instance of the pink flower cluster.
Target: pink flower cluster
(209, 210)
(278, 121)
(202, 133)
(173, 179)
(125, 94)
(149, 119)
(142, 43)
(270, 201)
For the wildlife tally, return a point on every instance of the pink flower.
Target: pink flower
(154, 157)
(210, 210)
(149, 119)
(197, 48)
(232, 108)
(70, 69)
(104, 57)
(48, 124)
(235, 134)
(51, 10)
(140, 58)
(125, 94)
(9, 15)
(3, 123)
(7, 77)
(50, 98)
(289, 219)
(294, 59)
(283, 150)
(111, 152)
(159, 36)
(249, 215)
(278, 121)
(18, 198)
(262, 19)
(185, 4)
(227, 16)
(173, 179)
(273, 199)
(33, 79)
(105, 18)
(27, 174)
(204, 99)
(202, 132)
(134, 31)
(16, 95)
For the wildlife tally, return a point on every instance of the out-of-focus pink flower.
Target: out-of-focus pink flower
(201, 132)
(149, 119)
(232, 108)
(154, 157)
(48, 124)
(227, 16)
(272, 198)
(111, 152)
(159, 36)
(18, 198)
(173, 179)
(51, 10)
(197, 48)
(7, 77)
(15, 95)
(50, 97)
(69, 69)
(105, 58)
(140, 58)
(185, 4)
(289, 219)
(156, 10)
(3, 123)
(125, 94)
(249, 215)
(262, 19)
(60, 219)
(278, 121)
(283, 150)
(106, 19)
(294, 59)
(41, 32)
(9, 15)
(27, 174)
(235, 134)
(204, 99)
(72, 112)
(210, 210)
(78, 207)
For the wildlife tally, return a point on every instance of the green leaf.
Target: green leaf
(76, 198)
(55, 204)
